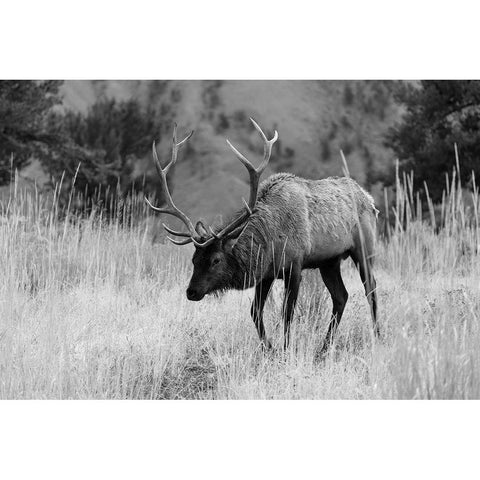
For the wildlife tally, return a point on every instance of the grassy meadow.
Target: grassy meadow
(91, 308)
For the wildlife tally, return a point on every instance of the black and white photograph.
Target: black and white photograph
(215, 250)
(240, 239)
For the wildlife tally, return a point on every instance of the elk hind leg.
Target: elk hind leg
(292, 285)
(332, 277)
(363, 258)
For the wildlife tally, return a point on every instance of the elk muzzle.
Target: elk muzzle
(194, 295)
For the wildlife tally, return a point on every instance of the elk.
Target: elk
(288, 224)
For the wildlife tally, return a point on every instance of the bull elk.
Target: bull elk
(289, 224)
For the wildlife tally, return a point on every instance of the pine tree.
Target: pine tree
(439, 113)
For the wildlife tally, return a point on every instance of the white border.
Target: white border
(229, 439)
(251, 39)
(242, 40)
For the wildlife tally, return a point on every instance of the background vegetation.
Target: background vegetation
(24, 107)
(439, 114)
(100, 133)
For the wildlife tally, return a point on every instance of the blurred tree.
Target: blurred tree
(24, 129)
(106, 143)
(439, 113)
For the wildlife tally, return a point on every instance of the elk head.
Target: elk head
(215, 267)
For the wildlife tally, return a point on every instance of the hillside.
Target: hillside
(315, 119)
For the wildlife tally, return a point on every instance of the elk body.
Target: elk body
(289, 224)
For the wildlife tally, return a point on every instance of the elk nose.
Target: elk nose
(192, 294)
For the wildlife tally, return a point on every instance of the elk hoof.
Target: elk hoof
(323, 352)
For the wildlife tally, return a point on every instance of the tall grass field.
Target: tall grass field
(92, 308)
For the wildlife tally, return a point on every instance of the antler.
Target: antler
(255, 173)
(237, 226)
(234, 228)
(171, 208)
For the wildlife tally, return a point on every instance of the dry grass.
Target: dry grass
(91, 309)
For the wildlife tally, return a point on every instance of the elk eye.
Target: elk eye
(215, 261)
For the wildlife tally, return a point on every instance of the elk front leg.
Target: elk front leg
(262, 290)
(332, 277)
(292, 285)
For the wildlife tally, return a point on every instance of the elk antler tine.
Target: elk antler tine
(275, 137)
(156, 160)
(181, 242)
(174, 232)
(210, 229)
(156, 209)
(165, 210)
(206, 243)
(259, 130)
(241, 157)
(186, 138)
(267, 151)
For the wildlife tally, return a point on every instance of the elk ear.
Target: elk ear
(201, 230)
(232, 239)
(228, 244)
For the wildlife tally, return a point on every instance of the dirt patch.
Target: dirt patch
(195, 379)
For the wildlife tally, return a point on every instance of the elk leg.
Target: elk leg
(262, 290)
(332, 278)
(364, 266)
(292, 285)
